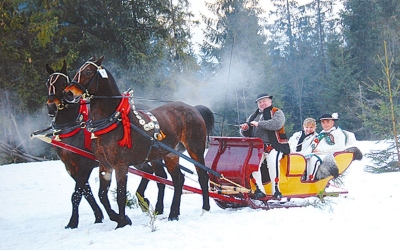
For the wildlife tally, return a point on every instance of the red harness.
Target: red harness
(83, 110)
(123, 108)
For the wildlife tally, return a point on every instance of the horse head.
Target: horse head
(85, 81)
(55, 85)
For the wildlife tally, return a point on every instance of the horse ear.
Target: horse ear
(92, 59)
(64, 67)
(98, 62)
(49, 69)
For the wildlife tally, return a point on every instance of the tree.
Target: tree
(366, 24)
(136, 37)
(385, 112)
(234, 59)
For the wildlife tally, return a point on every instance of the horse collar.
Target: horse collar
(80, 123)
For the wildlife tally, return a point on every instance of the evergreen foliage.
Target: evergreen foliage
(313, 58)
(385, 112)
(235, 58)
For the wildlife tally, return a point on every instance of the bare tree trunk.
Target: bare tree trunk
(321, 37)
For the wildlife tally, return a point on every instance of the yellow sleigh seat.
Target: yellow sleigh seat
(292, 169)
(293, 164)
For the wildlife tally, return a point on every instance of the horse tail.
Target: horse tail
(208, 117)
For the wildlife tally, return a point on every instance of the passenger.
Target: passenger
(267, 123)
(328, 141)
(301, 140)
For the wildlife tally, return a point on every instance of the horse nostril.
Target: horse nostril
(51, 109)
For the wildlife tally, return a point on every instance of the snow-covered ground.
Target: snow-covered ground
(35, 207)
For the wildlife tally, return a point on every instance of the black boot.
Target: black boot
(258, 194)
(277, 193)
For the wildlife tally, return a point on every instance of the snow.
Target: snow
(35, 207)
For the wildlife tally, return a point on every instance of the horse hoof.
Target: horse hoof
(125, 222)
(70, 226)
(159, 210)
(203, 211)
(113, 216)
(98, 221)
(173, 218)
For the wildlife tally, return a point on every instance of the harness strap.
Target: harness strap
(84, 111)
(68, 134)
(61, 132)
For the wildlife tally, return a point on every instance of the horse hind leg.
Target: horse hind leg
(156, 167)
(159, 170)
(142, 187)
(171, 161)
(203, 180)
(202, 176)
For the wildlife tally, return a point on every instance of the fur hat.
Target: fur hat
(333, 116)
(262, 96)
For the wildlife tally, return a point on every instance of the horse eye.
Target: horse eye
(88, 72)
(63, 85)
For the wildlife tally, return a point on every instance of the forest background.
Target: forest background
(324, 56)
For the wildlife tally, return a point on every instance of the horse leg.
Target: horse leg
(82, 187)
(203, 180)
(203, 176)
(159, 170)
(105, 175)
(178, 179)
(142, 187)
(98, 214)
(75, 200)
(121, 175)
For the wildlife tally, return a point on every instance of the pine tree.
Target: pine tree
(300, 35)
(234, 59)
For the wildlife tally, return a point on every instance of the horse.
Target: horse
(68, 124)
(157, 167)
(123, 137)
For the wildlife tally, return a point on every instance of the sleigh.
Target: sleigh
(232, 160)
(237, 158)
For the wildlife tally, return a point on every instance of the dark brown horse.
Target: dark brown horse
(68, 123)
(158, 166)
(119, 143)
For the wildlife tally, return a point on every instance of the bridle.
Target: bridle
(78, 75)
(52, 88)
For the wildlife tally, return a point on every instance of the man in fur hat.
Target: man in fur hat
(328, 141)
(267, 123)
